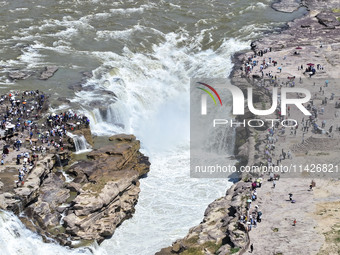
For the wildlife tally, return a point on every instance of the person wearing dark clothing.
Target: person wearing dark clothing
(251, 248)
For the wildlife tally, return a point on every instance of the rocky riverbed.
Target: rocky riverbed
(101, 196)
(72, 200)
(223, 230)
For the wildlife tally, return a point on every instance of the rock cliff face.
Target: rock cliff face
(219, 232)
(107, 189)
(102, 194)
(48, 72)
(15, 201)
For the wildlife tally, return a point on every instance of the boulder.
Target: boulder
(48, 72)
(18, 75)
(327, 19)
(87, 74)
(102, 195)
(286, 6)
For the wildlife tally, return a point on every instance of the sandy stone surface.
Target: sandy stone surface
(317, 211)
(276, 233)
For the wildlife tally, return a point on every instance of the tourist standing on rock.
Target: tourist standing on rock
(290, 197)
(251, 248)
(259, 216)
(289, 155)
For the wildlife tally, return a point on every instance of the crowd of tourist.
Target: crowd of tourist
(24, 129)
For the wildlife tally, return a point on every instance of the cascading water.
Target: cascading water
(60, 165)
(80, 143)
(154, 104)
(16, 239)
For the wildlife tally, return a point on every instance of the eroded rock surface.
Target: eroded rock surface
(102, 194)
(220, 230)
(48, 72)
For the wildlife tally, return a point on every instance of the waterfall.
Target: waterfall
(80, 143)
(154, 105)
(58, 160)
(15, 239)
(60, 165)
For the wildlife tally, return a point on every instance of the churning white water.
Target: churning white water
(153, 104)
(16, 239)
(151, 101)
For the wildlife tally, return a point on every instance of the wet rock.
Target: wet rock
(286, 5)
(19, 75)
(49, 72)
(63, 100)
(126, 138)
(88, 88)
(87, 74)
(79, 86)
(75, 86)
(96, 104)
(110, 93)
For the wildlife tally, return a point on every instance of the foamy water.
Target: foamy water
(142, 56)
(16, 239)
(154, 105)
